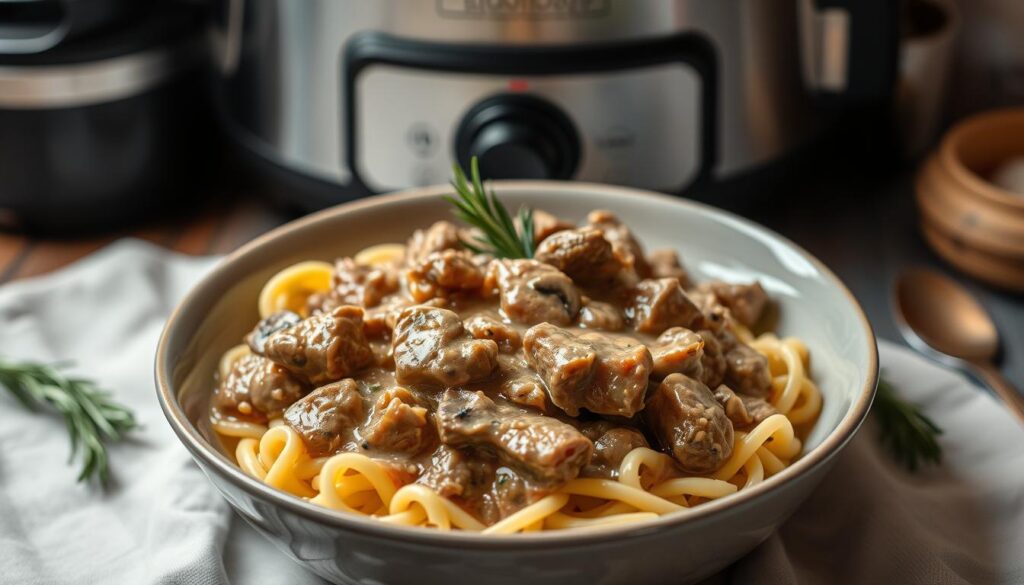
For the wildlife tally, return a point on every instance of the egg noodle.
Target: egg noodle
(276, 454)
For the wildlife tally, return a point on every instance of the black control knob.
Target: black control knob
(518, 137)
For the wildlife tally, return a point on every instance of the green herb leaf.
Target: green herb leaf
(909, 435)
(498, 234)
(92, 418)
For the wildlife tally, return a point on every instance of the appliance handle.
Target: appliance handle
(849, 49)
(34, 26)
(226, 41)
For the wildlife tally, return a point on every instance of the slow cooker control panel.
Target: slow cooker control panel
(518, 137)
(639, 126)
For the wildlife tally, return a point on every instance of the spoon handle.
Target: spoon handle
(1006, 391)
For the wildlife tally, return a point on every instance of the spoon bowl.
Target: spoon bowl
(940, 318)
(945, 316)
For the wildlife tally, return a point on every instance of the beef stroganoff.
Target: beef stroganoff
(590, 385)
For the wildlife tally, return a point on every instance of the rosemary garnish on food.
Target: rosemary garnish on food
(91, 416)
(909, 435)
(498, 234)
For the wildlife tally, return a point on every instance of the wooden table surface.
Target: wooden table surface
(217, 230)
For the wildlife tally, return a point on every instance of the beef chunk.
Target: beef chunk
(482, 260)
(398, 424)
(380, 320)
(598, 315)
(545, 224)
(583, 254)
(688, 422)
(744, 411)
(323, 348)
(733, 406)
(611, 445)
(542, 447)
(487, 327)
(758, 409)
(326, 416)
(509, 494)
(454, 472)
(520, 384)
(361, 285)
(441, 273)
(604, 374)
(566, 364)
(477, 482)
(440, 236)
(526, 390)
(677, 350)
(713, 313)
(746, 302)
(269, 326)
(656, 305)
(665, 263)
(711, 366)
(746, 370)
(533, 292)
(626, 247)
(257, 389)
(431, 346)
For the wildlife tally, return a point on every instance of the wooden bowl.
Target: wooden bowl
(970, 222)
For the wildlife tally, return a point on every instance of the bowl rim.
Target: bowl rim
(218, 463)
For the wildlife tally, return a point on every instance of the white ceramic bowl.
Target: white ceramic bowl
(682, 548)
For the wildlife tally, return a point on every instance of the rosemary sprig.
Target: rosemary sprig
(498, 233)
(91, 416)
(909, 435)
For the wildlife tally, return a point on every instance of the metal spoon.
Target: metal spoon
(939, 318)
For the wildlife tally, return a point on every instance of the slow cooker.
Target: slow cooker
(102, 124)
(334, 100)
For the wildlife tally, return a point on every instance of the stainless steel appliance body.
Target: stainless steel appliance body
(106, 128)
(340, 99)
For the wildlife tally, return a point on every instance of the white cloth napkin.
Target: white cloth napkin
(162, 522)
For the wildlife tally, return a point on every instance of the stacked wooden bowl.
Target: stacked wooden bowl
(972, 223)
